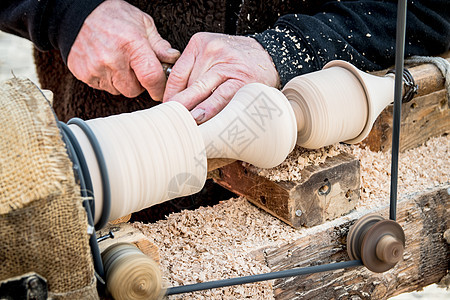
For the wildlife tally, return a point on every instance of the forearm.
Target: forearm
(48, 24)
(361, 32)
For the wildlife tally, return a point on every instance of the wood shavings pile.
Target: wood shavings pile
(290, 169)
(420, 168)
(201, 245)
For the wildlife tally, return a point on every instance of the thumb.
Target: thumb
(162, 48)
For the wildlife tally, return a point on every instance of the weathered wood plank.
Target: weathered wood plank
(424, 218)
(324, 192)
(422, 118)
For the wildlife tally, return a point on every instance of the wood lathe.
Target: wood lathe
(128, 162)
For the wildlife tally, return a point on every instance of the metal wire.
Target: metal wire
(262, 277)
(399, 61)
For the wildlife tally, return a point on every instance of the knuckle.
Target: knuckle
(149, 76)
(200, 86)
(236, 84)
(175, 77)
(106, 61)
(199, 36)
(160, 43)
(219, 100)
(149, 23)
(131, 93)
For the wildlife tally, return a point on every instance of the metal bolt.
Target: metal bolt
(298, 212)
(110, 235)
(325, 189)
(33, 282)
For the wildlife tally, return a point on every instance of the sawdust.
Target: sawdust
(420, 168)
(290, 169)
(197, 246)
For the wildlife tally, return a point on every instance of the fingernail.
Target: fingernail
(198, 114)
(172, 51)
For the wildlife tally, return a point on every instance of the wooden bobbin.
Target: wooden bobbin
(130, 274)
(379, 243)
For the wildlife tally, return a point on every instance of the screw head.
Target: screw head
(298, 212)
(33, 282)
(324, 189)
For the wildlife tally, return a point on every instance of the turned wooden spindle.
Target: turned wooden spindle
(337, 104)
(258, 126)
(151, 156)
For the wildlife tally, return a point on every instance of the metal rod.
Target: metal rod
(399, 61)
(110, 235)
(261, 277)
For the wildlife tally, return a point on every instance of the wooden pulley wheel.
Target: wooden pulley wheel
(357, 232)
(130, 274)
(379, 243)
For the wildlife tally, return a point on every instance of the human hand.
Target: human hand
(119, 50)
(212, 68)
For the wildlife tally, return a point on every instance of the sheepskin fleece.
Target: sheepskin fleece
(176, 21)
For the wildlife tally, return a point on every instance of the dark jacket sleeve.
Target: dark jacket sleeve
(49, 24)
(360, 32)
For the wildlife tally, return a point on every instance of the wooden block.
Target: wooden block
(427, 115)
(324, 192)
(424, 218)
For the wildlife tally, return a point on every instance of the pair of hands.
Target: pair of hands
(119, 50)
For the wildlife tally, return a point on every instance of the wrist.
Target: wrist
(267, 63)
(70, 19)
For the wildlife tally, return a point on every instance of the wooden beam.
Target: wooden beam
(323, 193)
(423, 216)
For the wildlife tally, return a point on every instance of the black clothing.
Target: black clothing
(49, 24)
(361, 32)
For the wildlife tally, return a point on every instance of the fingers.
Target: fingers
(164, 52)
(148, 69)
(179, 77)
(217, 101)
(127, 83)
(201, 89)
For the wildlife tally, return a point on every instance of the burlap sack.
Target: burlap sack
(43, 226)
